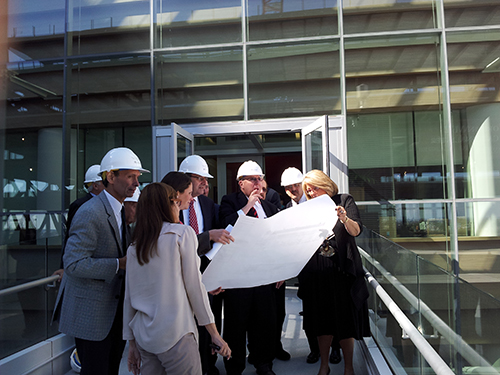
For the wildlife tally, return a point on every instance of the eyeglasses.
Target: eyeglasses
(293, 186)
(199, 178)
(253, 180)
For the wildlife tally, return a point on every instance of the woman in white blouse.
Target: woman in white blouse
(164, 291)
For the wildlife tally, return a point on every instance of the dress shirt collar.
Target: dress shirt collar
(301, 200)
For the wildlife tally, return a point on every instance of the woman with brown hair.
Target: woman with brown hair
(182, 183)
(164, 291)
(332, 284)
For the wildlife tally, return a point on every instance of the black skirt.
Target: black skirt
(328, 308)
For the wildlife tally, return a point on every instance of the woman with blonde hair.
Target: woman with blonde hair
(163, 290)
(332, 284)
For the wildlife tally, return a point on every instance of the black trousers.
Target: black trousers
(280, 314)
(250, 311)
(208, 360)
(103, 357)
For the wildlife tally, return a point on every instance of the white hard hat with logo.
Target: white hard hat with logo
(121, 158)
(291, 176)
(92, 174)
(195, 164)
(249, 168)
(135, 197)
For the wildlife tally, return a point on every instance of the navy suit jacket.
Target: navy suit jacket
(232, 203)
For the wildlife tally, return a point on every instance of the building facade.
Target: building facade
(410, 91)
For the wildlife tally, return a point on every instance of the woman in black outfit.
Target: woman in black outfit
(332, 284)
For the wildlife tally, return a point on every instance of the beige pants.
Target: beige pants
(182, 359)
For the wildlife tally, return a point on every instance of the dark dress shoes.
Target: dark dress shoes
(265, 370)
(283, 355)
(312, 357)
(335, 356)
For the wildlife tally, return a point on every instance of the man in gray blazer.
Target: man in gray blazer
(90, 301)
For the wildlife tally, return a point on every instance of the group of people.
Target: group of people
(146, 287)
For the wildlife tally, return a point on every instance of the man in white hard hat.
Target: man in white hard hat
(94, 186)
(201, 216)
(249, 310)
(201, 212)
(291, 180)
(90, 301)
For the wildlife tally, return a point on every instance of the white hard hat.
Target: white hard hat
(92, 174)
(195, 164)
(135, 197)
(291, 176)
(249, 168)
(74, 361)
(121, 158)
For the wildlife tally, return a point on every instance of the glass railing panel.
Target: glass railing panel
(30, 250)
(480, 324)
(457, 319)
(399, 351)
(435, 301)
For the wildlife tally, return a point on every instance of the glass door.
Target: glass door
(315, 146)
(171, 145)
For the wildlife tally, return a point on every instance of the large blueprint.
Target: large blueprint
(274, 249)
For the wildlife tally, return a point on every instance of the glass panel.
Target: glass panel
(399, 72)
(293, 80)
(402, 156)
(200, 85)
(35, 29)
(451, 313)
(364, 16)
(108, 26)
(478, 232)
(184, 148)
(185, 23)
(279, 19)
(314, 150)
(474, 61)
(113, 89)
(32, 161)
(421, 227)
(93, 143)
(31, 249)
(462, 13)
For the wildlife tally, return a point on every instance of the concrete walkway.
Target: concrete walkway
(295, 342)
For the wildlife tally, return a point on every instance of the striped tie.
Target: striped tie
(193, 220)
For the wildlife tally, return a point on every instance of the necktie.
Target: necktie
(124, 232)
(193, 220)
(253, 212)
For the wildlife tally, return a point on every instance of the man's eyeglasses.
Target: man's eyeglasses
(253, 180)
(199, 178)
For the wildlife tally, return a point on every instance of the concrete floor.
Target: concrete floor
(295, 342)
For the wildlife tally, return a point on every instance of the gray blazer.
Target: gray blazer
(90, 289)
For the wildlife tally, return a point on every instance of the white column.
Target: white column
(483, 125)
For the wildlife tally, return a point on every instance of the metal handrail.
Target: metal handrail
(431, 356)
(29, 285)
(473, 357)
